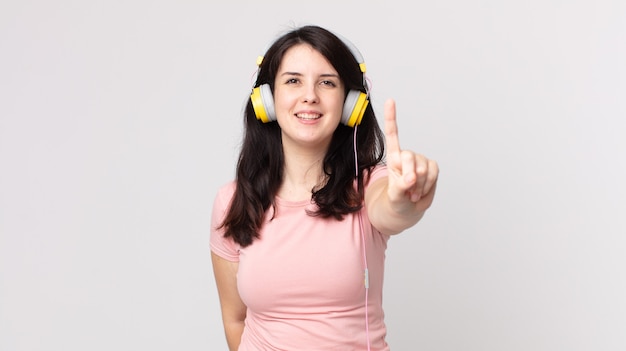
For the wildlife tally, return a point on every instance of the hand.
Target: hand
(412, 177)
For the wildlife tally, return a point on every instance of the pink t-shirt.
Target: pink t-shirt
(303, 279)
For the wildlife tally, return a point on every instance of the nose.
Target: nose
(309, 94)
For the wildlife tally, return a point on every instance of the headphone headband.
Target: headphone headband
(353, 49)
(355, 52)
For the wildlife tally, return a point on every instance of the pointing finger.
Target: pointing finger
(391, 127)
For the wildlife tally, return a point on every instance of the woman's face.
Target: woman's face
(308, 98)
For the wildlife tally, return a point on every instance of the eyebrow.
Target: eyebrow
(300, 74)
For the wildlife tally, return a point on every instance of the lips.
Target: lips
(308, 116)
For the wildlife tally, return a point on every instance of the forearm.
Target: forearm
(233, 331)
(391, 217)
(393, 221)
(233, 309)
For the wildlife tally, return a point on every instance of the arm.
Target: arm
(400, 200)
(233, 309)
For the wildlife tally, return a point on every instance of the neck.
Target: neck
(303, 172)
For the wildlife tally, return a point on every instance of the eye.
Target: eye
(292, 81)
(329, 83)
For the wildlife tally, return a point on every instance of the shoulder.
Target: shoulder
(225, 193)
(222, 201)
(376, 184)
(223, 247)
(376, 173)
(227, 189)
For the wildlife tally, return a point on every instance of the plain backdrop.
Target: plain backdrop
(120, 119)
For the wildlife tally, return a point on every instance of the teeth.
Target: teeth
(308, 116)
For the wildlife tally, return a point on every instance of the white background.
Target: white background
(119, 120)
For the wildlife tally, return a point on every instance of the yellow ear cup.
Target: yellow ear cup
(257, 104)
(354, 108)
(359, 111)
(263, 103)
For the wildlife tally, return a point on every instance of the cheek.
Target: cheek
(283, 100)
(337, 103)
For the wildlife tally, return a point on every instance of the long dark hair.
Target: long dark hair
(261, 161)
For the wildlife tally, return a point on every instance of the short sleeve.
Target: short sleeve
(226, 248)
(378, 172)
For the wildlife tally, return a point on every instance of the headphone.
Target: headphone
(353, 108)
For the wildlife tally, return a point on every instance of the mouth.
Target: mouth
(308, 116)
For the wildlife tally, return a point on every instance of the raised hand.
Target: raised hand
(412, 176)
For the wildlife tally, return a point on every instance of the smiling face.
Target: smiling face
(308, 98)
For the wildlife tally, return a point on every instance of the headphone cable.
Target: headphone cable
(366, 272)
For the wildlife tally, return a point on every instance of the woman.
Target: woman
(298, 238)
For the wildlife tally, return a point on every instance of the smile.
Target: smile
(308, 116)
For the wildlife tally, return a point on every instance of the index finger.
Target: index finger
(391, 127)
